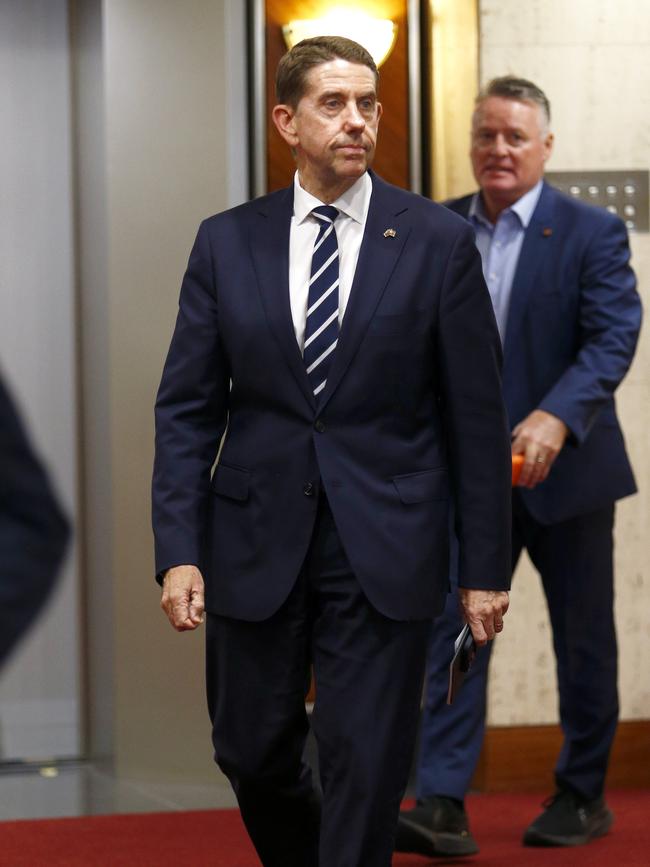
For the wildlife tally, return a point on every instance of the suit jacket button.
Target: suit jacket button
(308, 490)
(320, 426)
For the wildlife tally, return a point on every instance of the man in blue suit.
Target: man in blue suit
(33, 530)
(337, 339)
(569, 315)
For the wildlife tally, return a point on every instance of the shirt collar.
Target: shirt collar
(523, 207)
(353, 203)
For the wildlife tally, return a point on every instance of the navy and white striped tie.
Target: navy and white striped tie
(322, 325)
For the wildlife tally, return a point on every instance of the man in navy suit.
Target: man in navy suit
(33, 530)
(337, 339)
(569, 315)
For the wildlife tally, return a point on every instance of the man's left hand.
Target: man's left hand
(539, 438)
(484, 610)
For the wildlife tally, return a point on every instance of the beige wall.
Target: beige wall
(591, 58)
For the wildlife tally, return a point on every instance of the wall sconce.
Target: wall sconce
(377, 35)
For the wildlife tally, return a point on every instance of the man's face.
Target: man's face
(510, 146)
(333, 129)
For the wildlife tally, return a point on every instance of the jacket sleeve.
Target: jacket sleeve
(475, 418)
(609, 320)
(191, 415)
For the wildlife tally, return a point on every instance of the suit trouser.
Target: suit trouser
(575, 562)
(368, 670)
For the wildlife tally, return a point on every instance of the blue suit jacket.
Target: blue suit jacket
(412, 411)
(571, 333)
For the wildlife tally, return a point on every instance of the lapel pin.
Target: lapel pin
(547, 232)
(390, 233)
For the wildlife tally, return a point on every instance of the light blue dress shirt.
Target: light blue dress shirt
(499, 245)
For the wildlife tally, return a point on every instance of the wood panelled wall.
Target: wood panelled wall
(522, 758)
(392, 158)
(452, 65)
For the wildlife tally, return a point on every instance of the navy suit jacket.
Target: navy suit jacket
(33, 530)
(571, 333)
(412, 412)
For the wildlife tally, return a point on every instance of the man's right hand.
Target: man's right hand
(183, 597)
(539, 438)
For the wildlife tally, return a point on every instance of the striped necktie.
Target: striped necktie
(322, 325)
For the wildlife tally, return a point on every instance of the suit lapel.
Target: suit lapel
(377, 259)
(269, 245)
(533, 250)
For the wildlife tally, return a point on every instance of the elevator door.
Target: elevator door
(40, 684)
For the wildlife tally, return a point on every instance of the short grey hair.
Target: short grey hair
(511, 87)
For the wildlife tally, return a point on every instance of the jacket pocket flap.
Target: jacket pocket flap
(420, 487)
(231, 482)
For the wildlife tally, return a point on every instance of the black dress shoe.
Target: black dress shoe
(435, 826)
(569, 820)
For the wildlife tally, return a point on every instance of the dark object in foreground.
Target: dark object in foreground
(569, 820)
(435, 826)
(33, 530)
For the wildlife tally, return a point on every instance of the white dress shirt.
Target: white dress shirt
(350, 225)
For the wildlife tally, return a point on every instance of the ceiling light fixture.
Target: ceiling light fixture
(377, 35)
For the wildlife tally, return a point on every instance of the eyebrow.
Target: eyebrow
(370, 94)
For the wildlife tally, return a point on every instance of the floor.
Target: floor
(82, 789)
(39, 791)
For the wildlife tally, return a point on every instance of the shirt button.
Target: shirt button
(308, 490)
(320, 426)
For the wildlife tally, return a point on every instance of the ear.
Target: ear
(283, 118)
(380, 111)
(548, 146)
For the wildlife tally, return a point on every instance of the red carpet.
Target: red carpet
(217, 839)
